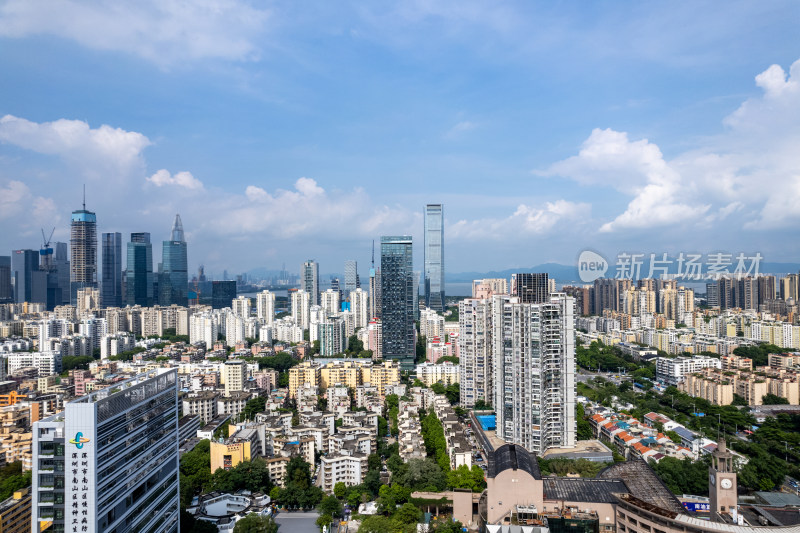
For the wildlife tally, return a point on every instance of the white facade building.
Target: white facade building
(475, 351)
(673, 371)
(534, 371)
(265, 307)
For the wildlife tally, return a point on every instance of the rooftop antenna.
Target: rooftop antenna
(84, 197)
(373, 253)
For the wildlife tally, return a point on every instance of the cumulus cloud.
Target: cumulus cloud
(526, 219)
(101, 152)
(29, 211)
(750, 169)
(162, 31)
(180, 179)
(306, 210)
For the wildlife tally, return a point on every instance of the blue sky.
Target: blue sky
(287, 130)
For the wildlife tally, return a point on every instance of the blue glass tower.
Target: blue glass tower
(111, 282)
(173, 286)
(139, 278)
(83, 251)
(434, 257)
(397, 300)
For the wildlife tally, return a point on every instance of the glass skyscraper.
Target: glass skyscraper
(350, 277)
(397, 300)
(173, 283)
(139, 277)
(83, 251)
(30, 283)
(111, 281)
(309, 280)
(434, 257)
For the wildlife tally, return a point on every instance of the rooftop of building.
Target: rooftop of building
(583, 490)
(514, 457)
(643, 482)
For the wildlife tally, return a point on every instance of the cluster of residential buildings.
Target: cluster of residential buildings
(736, 376)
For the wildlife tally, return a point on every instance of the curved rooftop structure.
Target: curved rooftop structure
(514, 457)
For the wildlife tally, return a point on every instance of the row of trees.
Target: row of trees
(12, 478)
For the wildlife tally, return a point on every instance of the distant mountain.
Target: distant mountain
(569, 273)
(554, 270)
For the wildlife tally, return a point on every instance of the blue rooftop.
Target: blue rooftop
(83, 216)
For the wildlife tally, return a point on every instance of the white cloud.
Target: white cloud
(462, 127)
(751, 169)
(526, 219)
(307, 210)
(28, 211)
(180, 179)
(162, 31)
(103, 152)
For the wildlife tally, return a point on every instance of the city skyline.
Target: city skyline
(541, 140)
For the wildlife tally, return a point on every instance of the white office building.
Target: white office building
(109, 461)
(534, 371)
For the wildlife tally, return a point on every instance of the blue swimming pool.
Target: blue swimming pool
(488, 422)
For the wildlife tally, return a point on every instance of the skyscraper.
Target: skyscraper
(475, 351)
(530, 288)
(173, 287)
(265, 307)
(83, 251)
(309, 280)
(56, 269)
(434, 257)
(533, 358)
(139, 282)
(397, 300)
(109, 461)
(111, 281)
(6, 295)
(350, 277)
(30, 283)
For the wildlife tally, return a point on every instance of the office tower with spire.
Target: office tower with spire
(83, 251)
(111, 277)
(139, 276)
(350, 278)
(173, 286)
(397, 300)
(309, 280)
(434, 257)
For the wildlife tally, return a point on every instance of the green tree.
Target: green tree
(330, 505)
(253, 523)
(408, 514)
(584, 427)
(377, 524)
(189, 524)
(464, 477)
(12, 478)
(323, 520)
(354, 345)
(482, 405)
(422, 348)
(453, 393)
(773, 399)
(340, 490)
(70, 362)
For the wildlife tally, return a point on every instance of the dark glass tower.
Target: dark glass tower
(173, 283)
(309, 280)
(397, 300)
(434, 257)
(139, 280)
(111, 284)
(30, 283)
(83, 249)
(6, 296)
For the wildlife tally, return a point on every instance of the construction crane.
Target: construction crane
(46, 252)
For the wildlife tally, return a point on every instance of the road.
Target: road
(297, 522)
